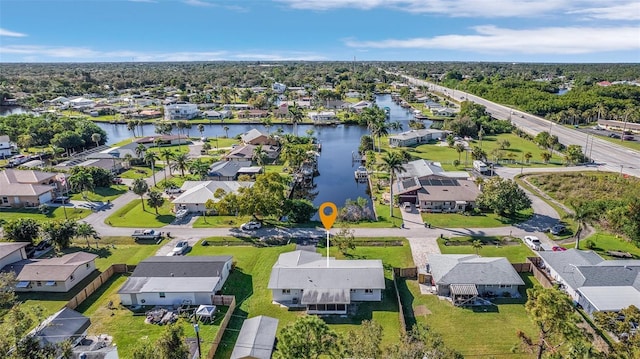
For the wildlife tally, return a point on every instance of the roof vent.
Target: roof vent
(172, 274)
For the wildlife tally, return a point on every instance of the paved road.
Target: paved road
(611, 156)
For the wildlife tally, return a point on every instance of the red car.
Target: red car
(558, 249)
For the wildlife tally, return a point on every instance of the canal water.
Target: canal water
(336, 182)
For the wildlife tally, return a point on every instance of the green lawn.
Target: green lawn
(475, 334)
(603, 242)
(515, 251)
(249, 283)
(132, 215)
(137, 172)
(54, 214)
(634, 145)
(129, 330)
(484, 220)
(102, 194)
(220, 221)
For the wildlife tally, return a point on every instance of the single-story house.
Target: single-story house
(181, 111)
(322, 117)
(257, 137)
(217, 115)
(432, 189)
(146, 114)
(256, 338)
(228, 170)
(162, 140)
(336, 104)
(416, 137)
(11, 252)
(27, 188)
(361, 105)
(5, 146)
(66, 324)
(253, 114)
(113, 165)
(81, 102)
(236, 106)
(247, 152)
(278, 87)
(444, 112)
(464, 277)
(598, 285)
(324, 285)
(176, 280)
(197, 193)
(58, 274)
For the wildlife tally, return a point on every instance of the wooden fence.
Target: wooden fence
(403, 324)
(411, 272)
(229, 300)
(539, 274)
(522, 267)
(85, 292)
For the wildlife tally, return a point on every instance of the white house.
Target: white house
(464, 277)
(197, 193)
(181, 111)
(278, 87)
(361, 105)
(176, 280)
(81, 102)
(5, 146)
(593, 282)
(324, 285)
(11, 252)
(58, 274)
(256, 338)
(416, 137)
(322, 117)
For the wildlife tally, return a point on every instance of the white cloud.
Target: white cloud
(476, 8)
(625, 11)
(198, 3)
(62, 53)
(5, 32)
(492, 39)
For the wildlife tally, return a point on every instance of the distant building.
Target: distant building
(323, 117)
(278, 87)
(257, 137)
(416, 137)
(181, 111)
(5, 147)
(197, 193)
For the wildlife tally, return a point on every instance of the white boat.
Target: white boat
(361, 173)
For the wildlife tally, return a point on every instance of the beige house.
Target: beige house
(27, 188)
(58, 274)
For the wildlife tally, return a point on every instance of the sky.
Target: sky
(318, 30)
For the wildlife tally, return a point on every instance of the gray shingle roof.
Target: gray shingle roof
(227, 168)
(181, 266)
(63, 325)
(472, 269)
(308, 270)
(6, 248)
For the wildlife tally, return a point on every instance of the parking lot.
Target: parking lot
(607, 133)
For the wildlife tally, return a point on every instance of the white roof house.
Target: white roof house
(593, 282)
(197, 193)
(323, 116)
(303, 278)
(256, 338)
(416, 137)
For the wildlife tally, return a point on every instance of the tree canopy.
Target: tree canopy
(503, 196)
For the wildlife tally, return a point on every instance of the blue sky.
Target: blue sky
(272, 30)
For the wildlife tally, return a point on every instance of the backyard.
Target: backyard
(132, 215)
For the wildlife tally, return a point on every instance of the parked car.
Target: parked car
(558, 249)
(116, 180)
(533, 242)
(627, 137)
(180, 248)
(407, 206)
(614, 135)
(251, 225)
(173, 190)
(61, 199)
(557, 229)
(146, 234)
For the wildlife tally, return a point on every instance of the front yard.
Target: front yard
(132, 215)
(482, 220)
(514, 250)
(56, 213)
(101, 194)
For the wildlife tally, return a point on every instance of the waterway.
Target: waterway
(336, 182)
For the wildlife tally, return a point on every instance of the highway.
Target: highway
(608, 156)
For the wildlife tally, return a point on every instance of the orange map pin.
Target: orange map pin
(328, 219)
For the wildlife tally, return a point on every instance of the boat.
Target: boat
(361, 174)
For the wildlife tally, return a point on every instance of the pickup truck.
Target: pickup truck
(146, 234)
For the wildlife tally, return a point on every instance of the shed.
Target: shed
(256, 338)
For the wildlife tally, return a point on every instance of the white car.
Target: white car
(180, 248)
(251, 225)
(533, 242)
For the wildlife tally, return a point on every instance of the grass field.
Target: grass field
(515, 251)
(220, 221)
(249, 283)
(54, 214)
(484, 220)
(132, 215)
(137, 172)
(475, 334)
(604, 242)
(102, 194)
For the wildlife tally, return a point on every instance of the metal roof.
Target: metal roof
(202, 191)
(63, 325)
(256, 338)
(611, 298)
(463, 289)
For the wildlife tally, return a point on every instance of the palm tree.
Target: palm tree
(95, 138)
(198, 168)
(581, 215)
(296, 116)
(181, 162)
(477, 245)
(131, 126)
(140, 187)
(527, 156)
(392, 162)
(180, 125)
(140, 150)
(150, 158)
(380, 129)
(166, 155)
(226, 131)
(127, 159)
(260, 156)
(459, 148)
(201, 130)
(395, 126)
(81, 181)
(86, 231)
(155, 200)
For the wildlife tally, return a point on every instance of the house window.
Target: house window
(71, 278)
(286, 291)
(5, 200)
(368, 291)
(87, 265)
(39, 284)
(162, 294)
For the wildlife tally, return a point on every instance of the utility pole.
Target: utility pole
(196, 327)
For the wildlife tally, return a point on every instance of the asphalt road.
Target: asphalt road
(610, 156)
